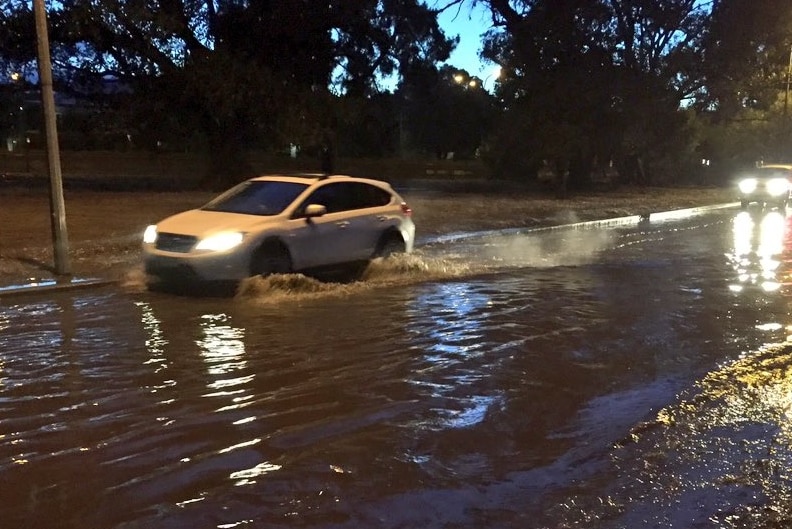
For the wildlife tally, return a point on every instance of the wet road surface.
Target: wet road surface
(629, 376)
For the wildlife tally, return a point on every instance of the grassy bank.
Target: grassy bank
(156, 170)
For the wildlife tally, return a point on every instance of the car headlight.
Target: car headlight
(221, 242)
(777, 186)
(747, 185)
(150, 235)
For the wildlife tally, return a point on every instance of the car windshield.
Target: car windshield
(257, 197)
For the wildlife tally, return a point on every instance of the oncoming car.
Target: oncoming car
(767, 185)
(279, 224)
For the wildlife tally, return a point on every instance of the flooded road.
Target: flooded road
(611, 376)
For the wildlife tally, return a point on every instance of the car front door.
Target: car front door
(327, 239)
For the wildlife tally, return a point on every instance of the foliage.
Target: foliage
(744, 101)
(591, 75)
(446, 112)
(746, 51)
(241, 75)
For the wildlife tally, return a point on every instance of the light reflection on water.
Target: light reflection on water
(758, 246)
(222, 347)
(762, 260)
(453, 334)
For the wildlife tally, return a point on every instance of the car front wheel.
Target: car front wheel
(271, 258)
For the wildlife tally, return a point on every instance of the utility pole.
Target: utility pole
(789, 73)
(60, 237)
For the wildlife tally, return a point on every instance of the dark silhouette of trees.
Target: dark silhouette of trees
(647, 87)
(592, 82)
(257, 74)
(744, 99)
(444, 111)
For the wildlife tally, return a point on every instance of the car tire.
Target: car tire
(389, 244)
(271, 258)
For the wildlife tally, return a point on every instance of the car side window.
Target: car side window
(368, 196)
(331, 196)
(345, 196)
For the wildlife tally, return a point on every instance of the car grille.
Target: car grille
(173, 242)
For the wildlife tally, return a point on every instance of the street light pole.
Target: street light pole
(789, 73)
(57, 209)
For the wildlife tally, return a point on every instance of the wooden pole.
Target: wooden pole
(60, 237)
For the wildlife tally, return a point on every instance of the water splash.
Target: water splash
(275, 287)
(574, 248)
(134, 279)
(392, 271)
(417, 266)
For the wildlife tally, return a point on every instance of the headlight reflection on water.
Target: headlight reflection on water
(223, 350)
(155, 341)
(758, 247)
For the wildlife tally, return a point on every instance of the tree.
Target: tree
(744, 98)
(747, 53)
(594, 79)
(445, 111)
(246, 74)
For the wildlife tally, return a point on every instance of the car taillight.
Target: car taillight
(407, 210)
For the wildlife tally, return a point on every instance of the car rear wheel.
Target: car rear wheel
(390, 243)
(271, 258)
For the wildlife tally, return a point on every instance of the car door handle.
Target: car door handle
(343, 224)
(382, 218)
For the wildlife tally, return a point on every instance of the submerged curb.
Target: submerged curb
(588, 224)
(53, 285)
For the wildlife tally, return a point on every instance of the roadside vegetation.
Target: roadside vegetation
(643, 92)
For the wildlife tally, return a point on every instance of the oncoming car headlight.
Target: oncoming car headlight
(748, 185)
(150, 235)
(777, 186)
(221, 241)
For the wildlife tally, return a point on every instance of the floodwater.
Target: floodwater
(629, 374)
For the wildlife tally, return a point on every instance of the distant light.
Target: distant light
(16, 76)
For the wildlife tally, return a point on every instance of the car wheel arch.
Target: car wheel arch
(390, 241)
(272, 255)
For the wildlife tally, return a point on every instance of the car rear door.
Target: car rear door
(371, 213)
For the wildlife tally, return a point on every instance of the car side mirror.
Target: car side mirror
(315, 210)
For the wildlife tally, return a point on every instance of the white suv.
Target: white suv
(280, 224)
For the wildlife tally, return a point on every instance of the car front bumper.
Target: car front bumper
(190, 267)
